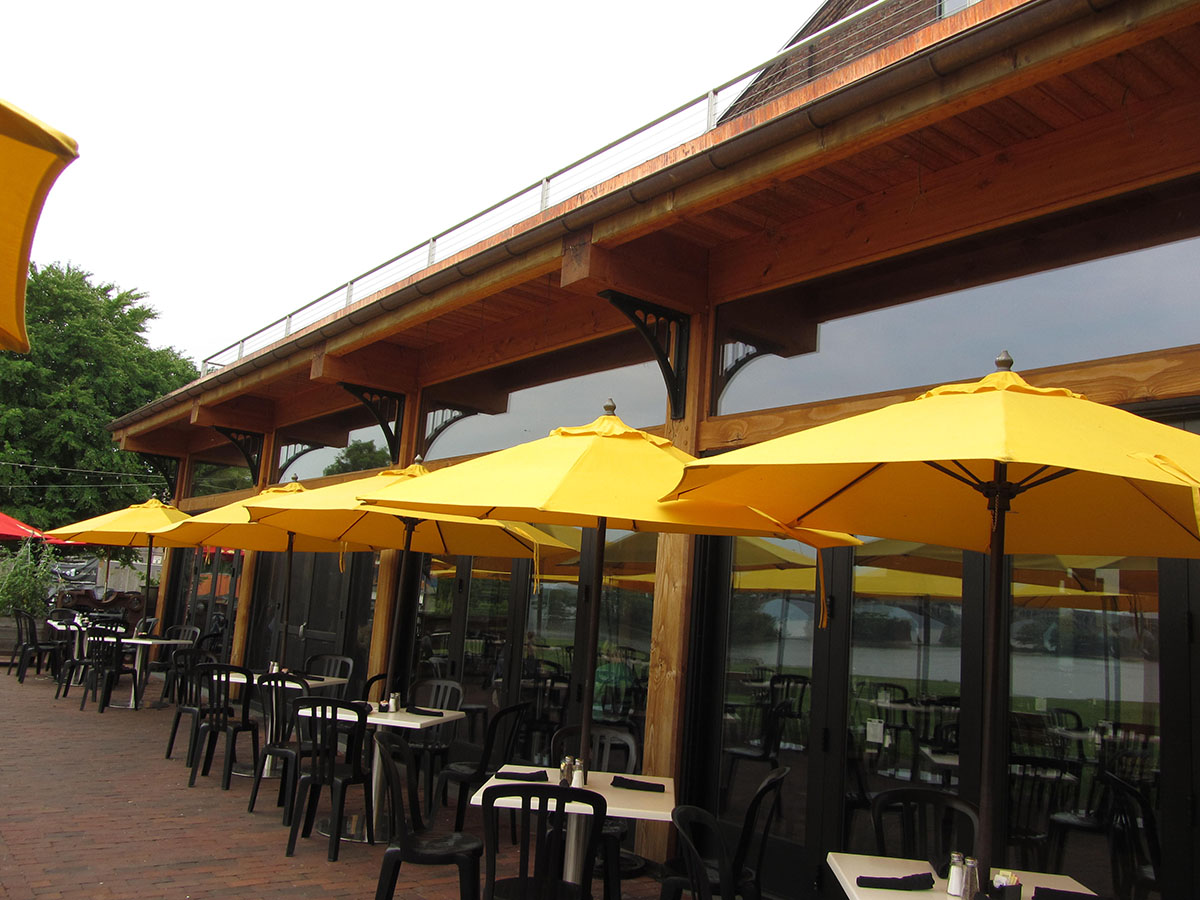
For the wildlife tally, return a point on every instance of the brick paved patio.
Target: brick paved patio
(89, 808)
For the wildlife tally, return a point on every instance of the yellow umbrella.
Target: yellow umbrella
(133, 526)
(947, 467)
(600, 475)
(231, 526)
(32, 155)
(637, 553)
(334, 512)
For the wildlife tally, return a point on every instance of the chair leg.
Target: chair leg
(227, 768)
(612, 867)
(468, 877)
(369, 803)
(304, 790)
(258, 776)
(389, 872)
(203, 735)
(174, 731)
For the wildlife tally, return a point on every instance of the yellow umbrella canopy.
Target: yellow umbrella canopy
(335, 513)
(133, 526)
(32, 155)
(600, 475)
(231, 526)
(637, 552)
(948, 467)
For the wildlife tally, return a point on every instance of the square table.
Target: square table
(623, 803)
(848, 866)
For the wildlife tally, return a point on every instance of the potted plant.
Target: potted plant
(26, 581)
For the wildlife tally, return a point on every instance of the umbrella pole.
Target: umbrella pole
(394, 639)
(593, 588)
(149, 557)
(990, 843)
(287, 604)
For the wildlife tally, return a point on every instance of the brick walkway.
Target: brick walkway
(89, 808)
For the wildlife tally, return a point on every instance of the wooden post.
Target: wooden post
(241, 620)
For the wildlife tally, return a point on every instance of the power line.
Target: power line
(99, 484)
(83, 471)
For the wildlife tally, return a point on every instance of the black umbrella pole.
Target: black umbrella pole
(990, 843)
(149, 558)
(286, 613)
(397, 596)
(593, 636)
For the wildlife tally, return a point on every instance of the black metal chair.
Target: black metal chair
(699, 828)
(542, 836)
(745, 863)
(336, 762)
(277, 691)
(410, 840)
(480, 763)
(1133, 841)
(188, 696)
(765, 750)
(932, 823)
(222, 713)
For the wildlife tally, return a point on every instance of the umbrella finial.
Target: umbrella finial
(1004, 362)
(610, 408)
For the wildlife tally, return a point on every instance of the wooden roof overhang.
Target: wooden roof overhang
(1009, 137)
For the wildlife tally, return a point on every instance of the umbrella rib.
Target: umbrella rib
(969, 479)
(845, 487)
(1029, 482)
(1183, 526)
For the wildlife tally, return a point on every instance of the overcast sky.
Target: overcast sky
(240, 159)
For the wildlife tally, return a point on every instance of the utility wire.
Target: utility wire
(67, 469)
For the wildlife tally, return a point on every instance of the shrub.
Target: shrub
(26, 577)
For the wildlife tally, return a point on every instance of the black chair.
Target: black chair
(103, 664)
(221, 713)
(765, 750)
(336, 762)
(613, 750)
(330, 665)
(1035, 785)
(29, 647)
(1133, 841)
(163, 665)
(932, 823)
(542, 837)
(791, 688)
(72, 651)
(277, 691)
(369, 686)
(188, 696)
(478, 764)
(699, 828)
(432, 744)
(745, 864)
(410, 840)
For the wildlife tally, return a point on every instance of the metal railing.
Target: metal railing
(870, 28)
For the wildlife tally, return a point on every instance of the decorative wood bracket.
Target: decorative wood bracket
(388, 410)
(167, 467)
(731, 358)
(251, 445)
(437, 419)
(666, 331)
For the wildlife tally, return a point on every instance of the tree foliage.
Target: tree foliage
(90, 364)
(357, 456)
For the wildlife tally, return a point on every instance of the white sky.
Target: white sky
(238, 160)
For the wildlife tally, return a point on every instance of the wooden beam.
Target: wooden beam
(383, 366)
(658, 268)
(1143, 144)
(242, 413)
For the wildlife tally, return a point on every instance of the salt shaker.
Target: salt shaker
(566, 770)
(954, 884)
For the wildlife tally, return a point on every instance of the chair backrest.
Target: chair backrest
(773, 723)
(1130, 753)
(337, 730)
(1132, 835)
(500, 742)
(144, 625)
(218, 683)
(404, 806)
(704, 851)
(27, 628)
(369, 686)
(183, 633)
(333, 666)
(756, 826)
(932, 822)
(541, 835)
(183, 671)
(277, 691)
(104, 645)
(790, 688)
(1035, 787)
(613, 748)
(437, 693)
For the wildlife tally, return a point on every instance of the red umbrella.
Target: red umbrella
(15, 530)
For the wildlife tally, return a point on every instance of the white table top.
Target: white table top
(400, 718)
(623, 803)
(313, 680)
(848, 866)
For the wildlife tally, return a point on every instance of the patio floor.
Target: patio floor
(90, 808)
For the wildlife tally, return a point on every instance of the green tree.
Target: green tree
(357, 456)
(90, 364)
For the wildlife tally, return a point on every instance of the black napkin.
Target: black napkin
(634, 785)
(419, 711)
(922, 881)
(536, 775)
(1048, 893)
